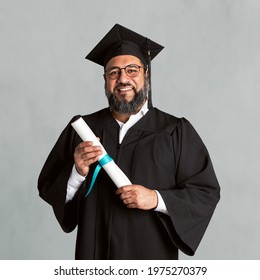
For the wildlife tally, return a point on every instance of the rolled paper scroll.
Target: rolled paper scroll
(105, 161)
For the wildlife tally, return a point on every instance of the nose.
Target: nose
(123, 78)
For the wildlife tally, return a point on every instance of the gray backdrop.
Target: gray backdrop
(208, 72)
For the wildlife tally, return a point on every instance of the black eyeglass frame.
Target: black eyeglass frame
(120, 69)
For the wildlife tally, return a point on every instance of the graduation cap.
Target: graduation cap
(123, 41)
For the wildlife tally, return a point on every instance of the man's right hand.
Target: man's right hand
(84, 155)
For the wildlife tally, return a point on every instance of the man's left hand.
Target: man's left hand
(137, 196)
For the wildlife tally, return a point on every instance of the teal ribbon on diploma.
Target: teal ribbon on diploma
(103, 161)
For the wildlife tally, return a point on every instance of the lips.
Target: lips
(124, 89)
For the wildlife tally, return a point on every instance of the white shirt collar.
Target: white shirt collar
(136, 116)
(124, 127)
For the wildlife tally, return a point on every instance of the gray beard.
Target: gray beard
(125, 107)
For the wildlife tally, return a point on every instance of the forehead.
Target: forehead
(122, 61)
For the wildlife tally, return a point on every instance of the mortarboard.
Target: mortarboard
(123, 41)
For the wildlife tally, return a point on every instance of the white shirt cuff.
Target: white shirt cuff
(161, 207)
(74, 182)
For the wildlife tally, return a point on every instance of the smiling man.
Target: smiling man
(126, 90)
(174, 192)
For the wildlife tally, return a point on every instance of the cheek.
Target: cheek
(110, 85)
(139, 84)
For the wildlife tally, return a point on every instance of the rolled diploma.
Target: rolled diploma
(113, 171)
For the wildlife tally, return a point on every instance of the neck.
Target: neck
(121, 117)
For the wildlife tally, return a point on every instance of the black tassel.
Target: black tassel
(150, 104)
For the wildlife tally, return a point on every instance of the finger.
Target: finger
(90, 161)
(126, 197)
(88, 149)
(124, 189)
(86, 153)
(89, 155)
(128, 200)
(82, 166)
(84, 144)
(131, 205)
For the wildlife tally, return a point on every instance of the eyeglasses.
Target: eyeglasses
(131, 71)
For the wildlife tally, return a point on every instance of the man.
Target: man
(174, 189)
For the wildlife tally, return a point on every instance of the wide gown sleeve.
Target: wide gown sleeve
(191, 202)
(53, 179)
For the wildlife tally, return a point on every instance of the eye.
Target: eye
(113, 72)
(132, 70)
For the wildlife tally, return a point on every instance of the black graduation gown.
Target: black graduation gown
(160, 152)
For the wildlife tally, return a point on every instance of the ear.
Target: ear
(146, 74)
